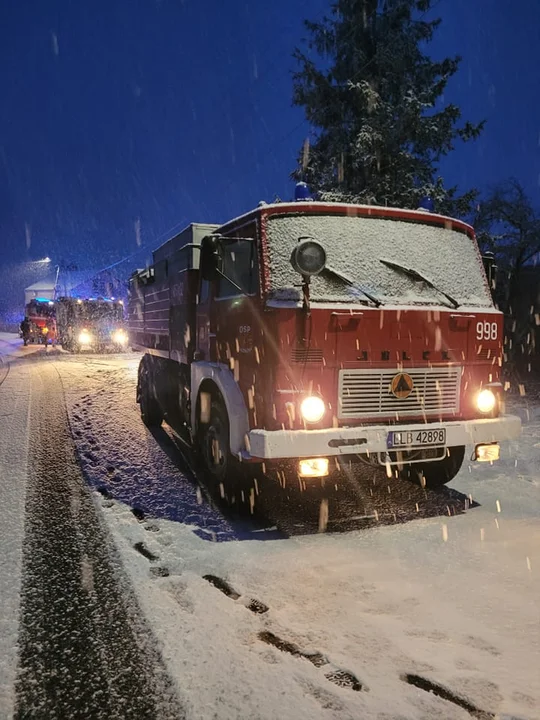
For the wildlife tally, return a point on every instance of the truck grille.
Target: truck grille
(367, 393)
(306, 355)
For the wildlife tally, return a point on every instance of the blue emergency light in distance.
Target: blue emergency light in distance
(426, 203)
(302, 192)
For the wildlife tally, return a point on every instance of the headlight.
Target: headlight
(312, 409)
(486, 401)
(120, 337)
(85, 338)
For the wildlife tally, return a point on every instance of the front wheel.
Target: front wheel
(438, 472)
(222, 470)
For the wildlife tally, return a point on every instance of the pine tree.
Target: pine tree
(375, 106)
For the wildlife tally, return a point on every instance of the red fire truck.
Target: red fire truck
(42, 317)
(312, 332)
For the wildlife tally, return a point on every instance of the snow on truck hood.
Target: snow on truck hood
(355, 245)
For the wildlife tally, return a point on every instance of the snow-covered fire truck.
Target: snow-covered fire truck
(313, 332)
(91, 324)
(42, 317)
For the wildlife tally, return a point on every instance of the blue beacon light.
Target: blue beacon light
(302, 192)
(426, 203)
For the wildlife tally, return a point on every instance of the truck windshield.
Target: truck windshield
(98, 311)
(355, 247)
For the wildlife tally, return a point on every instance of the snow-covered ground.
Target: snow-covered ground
(451, 600)
(14, 435)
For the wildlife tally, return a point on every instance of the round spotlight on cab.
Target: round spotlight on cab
(486, 401)
(312, 409)
(308, 258)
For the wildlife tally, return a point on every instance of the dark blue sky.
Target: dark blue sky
(175, 111)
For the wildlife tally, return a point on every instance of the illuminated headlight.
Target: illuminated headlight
(85, 338)
(486, 401)
(120, 337)
(312, 409)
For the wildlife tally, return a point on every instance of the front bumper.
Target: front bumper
(276, 444)
(105, 345)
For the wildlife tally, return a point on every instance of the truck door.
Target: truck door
(228, 329)
(225, 322)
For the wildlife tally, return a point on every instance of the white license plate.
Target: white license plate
(416, 438)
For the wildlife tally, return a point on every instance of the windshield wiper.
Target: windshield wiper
(351, 283)
(415, 275)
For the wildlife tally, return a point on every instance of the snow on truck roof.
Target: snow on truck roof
(313, 207)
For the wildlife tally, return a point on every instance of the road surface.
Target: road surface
(83, 649)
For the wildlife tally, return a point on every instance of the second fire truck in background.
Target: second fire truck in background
(91, 324)
(42, 318)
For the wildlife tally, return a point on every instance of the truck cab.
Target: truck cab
(324, 330)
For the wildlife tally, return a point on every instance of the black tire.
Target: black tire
(224, 473)
(437, 473)
(151, 413)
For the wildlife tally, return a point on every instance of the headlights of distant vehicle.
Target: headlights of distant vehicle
(486, 401)
(85, 338)
(312, 409)
(120, 337)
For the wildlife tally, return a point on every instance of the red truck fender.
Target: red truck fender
(223, 379)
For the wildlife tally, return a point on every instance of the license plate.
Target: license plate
(416, 438)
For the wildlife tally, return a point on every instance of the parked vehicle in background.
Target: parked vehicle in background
(315, 332)
(41, 313)
(94, 324)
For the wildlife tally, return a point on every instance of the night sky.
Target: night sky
(121, 120)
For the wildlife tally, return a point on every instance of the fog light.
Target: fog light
(313, 467)
(485, 401)
(487, 453)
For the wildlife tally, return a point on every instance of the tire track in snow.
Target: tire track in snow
(84, 651)
(14, 419)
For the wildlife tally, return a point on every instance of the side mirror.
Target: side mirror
(211, 258)
(488, 258)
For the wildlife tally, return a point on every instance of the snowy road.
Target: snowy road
(247, 621)
(83, 649)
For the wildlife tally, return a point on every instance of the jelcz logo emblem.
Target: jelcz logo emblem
(401, 386)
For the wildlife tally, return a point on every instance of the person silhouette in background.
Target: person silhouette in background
(25, 329)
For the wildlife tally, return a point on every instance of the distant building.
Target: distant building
(42, 289)
(110, 282)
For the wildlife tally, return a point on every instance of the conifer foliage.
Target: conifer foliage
(374, 99)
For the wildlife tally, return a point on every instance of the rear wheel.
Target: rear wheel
(150, 411)
(438, 472)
